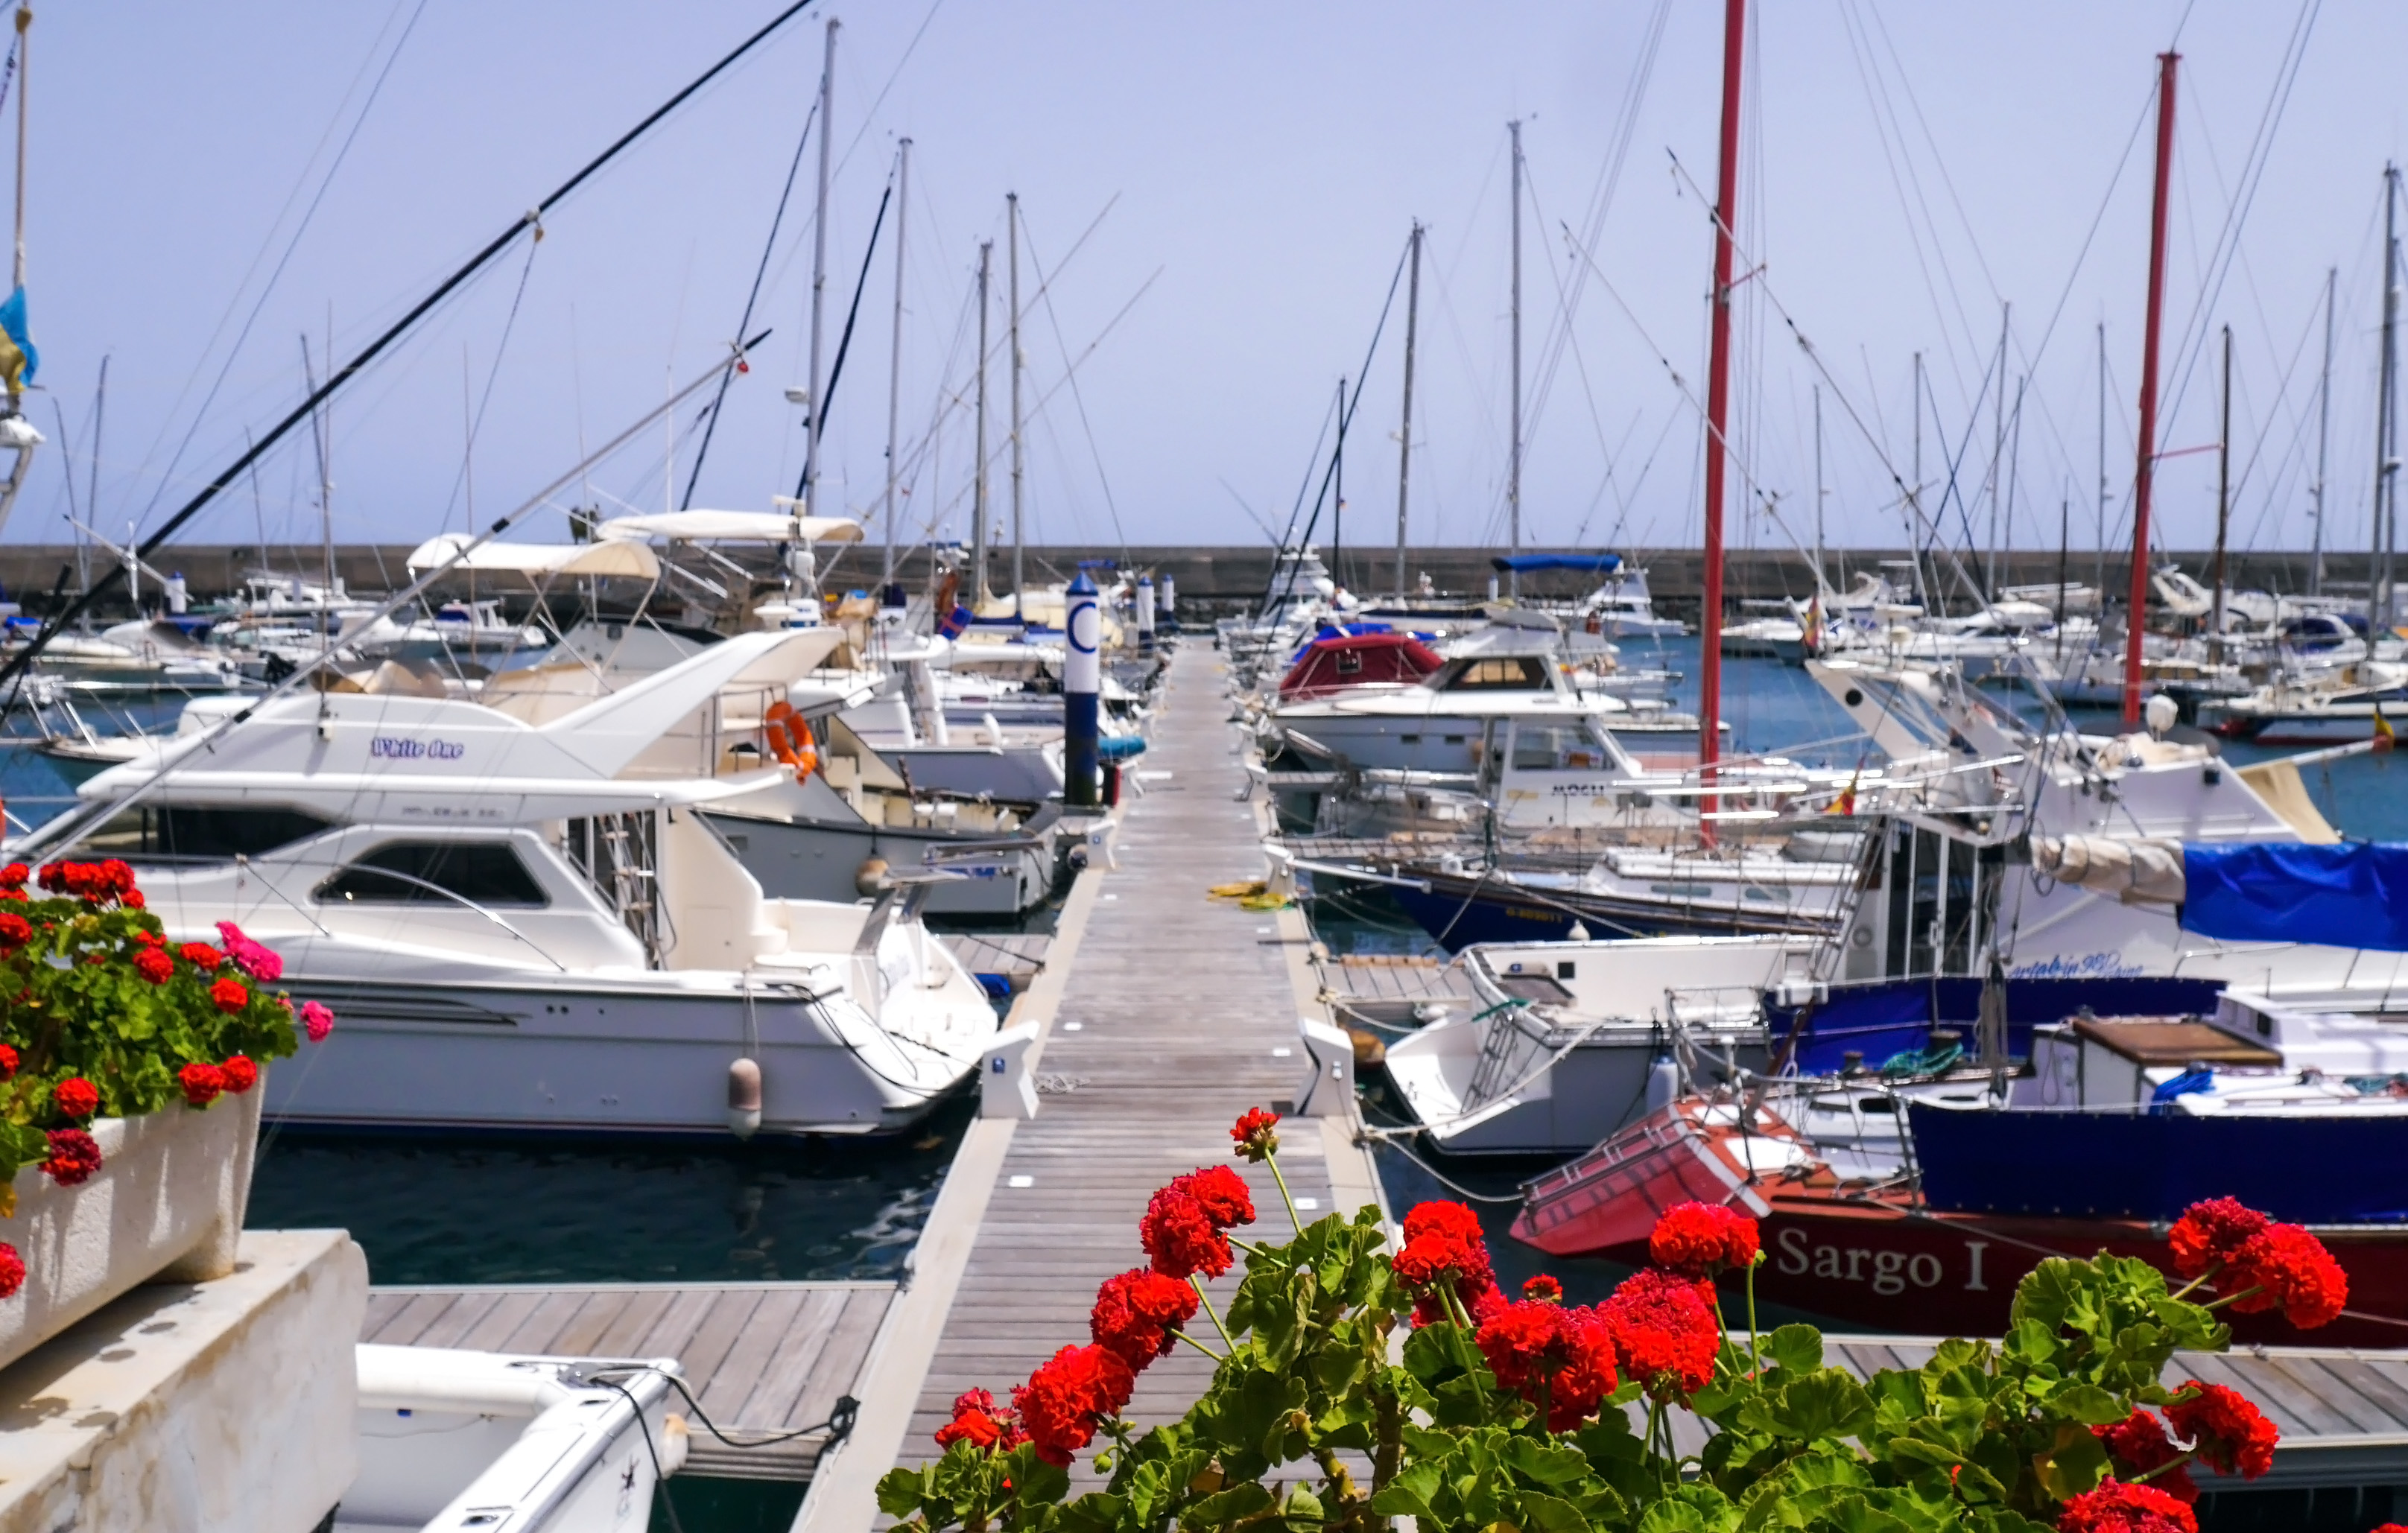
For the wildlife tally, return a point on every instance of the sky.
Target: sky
(1216, 204)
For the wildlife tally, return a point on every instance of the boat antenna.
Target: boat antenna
(527, 223)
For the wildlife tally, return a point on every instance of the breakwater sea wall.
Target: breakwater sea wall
(1216, 578)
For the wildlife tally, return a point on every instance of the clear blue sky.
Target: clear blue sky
(1907, 168)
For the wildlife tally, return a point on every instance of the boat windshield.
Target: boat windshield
(486, 874)
(191, 833)
(1507, 673)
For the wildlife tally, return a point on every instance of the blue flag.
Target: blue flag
(18, 358)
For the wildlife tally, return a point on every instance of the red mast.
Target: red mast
(1709, 620)
(2147, 469)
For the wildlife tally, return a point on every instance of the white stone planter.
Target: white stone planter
(166, 1203)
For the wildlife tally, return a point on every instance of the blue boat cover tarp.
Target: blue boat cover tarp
(2332, 1168)
(1525, 564)
(1882, 1018)
(2352, 894)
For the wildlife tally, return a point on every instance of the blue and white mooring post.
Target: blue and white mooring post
(1144, 605)
(1081, 679)
(1165, 598)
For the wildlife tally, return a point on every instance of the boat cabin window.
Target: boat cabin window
(1556, 747)
(1512, 673)
(1350, 662)
(482, 873)
(191, 833)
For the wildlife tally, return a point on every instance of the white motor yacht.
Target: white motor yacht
(530, 924)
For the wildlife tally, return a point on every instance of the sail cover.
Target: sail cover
(2351, 896)
(1525, 564)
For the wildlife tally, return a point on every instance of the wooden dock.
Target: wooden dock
(1165, 1014)
(761, 1359)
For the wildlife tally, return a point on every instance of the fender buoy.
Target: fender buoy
(744, 1097)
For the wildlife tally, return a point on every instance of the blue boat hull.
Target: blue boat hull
(2333, 1170)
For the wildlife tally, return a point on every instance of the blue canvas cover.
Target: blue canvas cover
(2352, 894)
(1525, 564)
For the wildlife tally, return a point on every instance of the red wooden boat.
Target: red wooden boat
(1870, 1254)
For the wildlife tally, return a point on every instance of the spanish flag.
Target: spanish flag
(18, 358)
(2382, 736)
(1846, 803)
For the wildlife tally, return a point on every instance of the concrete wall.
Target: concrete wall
(1212, 575)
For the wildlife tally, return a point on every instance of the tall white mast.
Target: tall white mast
(894, 373)
(1405, 432)
(1514, 462)
(2323, 434)
(1019, 456)
(819, 275)
(978, 454)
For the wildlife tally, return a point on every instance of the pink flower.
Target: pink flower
(317, 1021)
(248, 957)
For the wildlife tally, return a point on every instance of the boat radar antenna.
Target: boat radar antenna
(16, 355)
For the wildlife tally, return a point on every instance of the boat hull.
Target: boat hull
(595, 1057)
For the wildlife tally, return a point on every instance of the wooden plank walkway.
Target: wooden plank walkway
(1179, 1014)
(761, 1359)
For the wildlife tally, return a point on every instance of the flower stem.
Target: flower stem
(1755, 1357)
(2220, 1303)
(1206, 1299)
(2213, 1268)
(1218, 1357)
(2170, 1465)
(1271, 1160)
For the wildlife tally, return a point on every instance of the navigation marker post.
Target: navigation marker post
(1082, 681)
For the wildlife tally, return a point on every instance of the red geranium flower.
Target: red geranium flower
(15, 930)
(2231, 1435)
(75, 1098)
(315, 1020)
(151, 963)
(1256, 1133)
(1699, 1240)
(132, 899)
(14, 876)
(2211, 1232)
(240, 1074)
(2292, 1271)
(229, 996)
(1566, 1355)
(201, 956)
(1542, 1289)
(2118, 1508)
(978, 1422)
(2138, 1444)
(201, 1083)
(12, 1270)
(1665, 1331)
(1136, 1313)
(1181, 1237)
(248, 957)
(1444, 1245)
(1224, 1194)
(1068, 1396)
(74, 1156)
(7, 1063)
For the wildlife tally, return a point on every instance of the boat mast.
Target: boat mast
(819, 276)
(2136, 614)
(2098, 542)
(1019, 528)
(1514, 461)
(2323, 433)
(2386, 427)
(1820, 583)
(978, 452)
(894, 371)
(2222, 509)
(1338, 496)
(1997, 460)
(1405, 432)
(15, 430)
(1709, 617)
